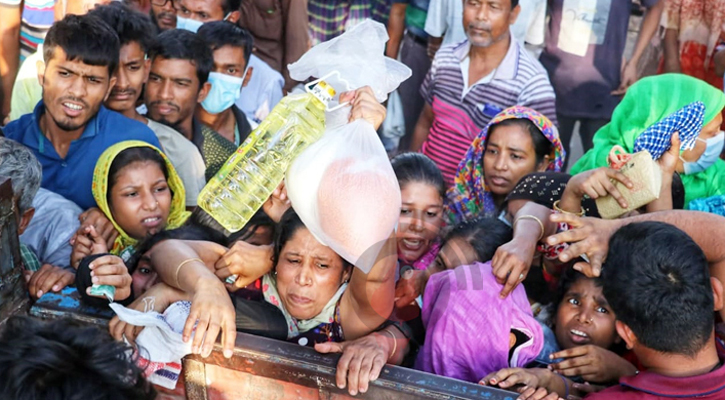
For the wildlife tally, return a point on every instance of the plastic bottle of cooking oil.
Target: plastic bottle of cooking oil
(251, 174)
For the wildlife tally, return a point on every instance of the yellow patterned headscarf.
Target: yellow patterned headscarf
(123, 246)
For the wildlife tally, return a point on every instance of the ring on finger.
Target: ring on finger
(521, 277)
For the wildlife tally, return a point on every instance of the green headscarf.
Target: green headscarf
(647, 102)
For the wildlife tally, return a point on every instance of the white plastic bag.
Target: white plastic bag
(345, 192)
(160, 344)
(358, 55)
(394, 125)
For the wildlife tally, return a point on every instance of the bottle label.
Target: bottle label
(323, 91)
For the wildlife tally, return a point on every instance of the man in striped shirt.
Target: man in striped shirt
(470, 82)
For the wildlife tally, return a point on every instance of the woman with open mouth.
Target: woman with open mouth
(139, 191)
(422, 191)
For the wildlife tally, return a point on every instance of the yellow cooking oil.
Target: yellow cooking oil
(251, 174)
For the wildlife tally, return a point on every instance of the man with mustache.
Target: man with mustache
(163, 14)
(136, 34)
(180, 66)
(470, 82)
(70, 127)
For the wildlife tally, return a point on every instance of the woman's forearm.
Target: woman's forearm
(179, 265)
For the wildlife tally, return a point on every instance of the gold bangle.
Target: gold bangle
(395, 343)
(541, 224)
(556, 208)
(181, 265)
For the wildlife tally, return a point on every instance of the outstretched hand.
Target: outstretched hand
(212, 313)
(511, 263)
(586, 237)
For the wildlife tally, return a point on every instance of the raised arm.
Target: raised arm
(368, 300)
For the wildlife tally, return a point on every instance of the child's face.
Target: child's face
(453, 254)
(143, 277)
(584, 317)
(140, 199)
(420, 220)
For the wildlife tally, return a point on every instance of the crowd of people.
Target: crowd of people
(501, 270)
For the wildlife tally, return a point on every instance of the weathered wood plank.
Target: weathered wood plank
(195, 379)
(289, 371)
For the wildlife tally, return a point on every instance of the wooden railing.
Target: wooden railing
(263, 368)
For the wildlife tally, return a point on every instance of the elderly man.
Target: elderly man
(469, 83)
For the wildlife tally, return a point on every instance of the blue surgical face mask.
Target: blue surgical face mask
(188, 24)
(225, 90)
(708, 157)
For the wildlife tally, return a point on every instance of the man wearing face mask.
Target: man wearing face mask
(265, 85)
(192, 14)
(231, 47)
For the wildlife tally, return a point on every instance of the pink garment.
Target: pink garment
(468, 325)
(427, 259)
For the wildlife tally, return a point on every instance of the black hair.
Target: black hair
(656, 280)
(180, 44)
(188, 231)
(568, 278)
(542, 146)
(63, 360)
(218, 34)
(85, 38)
(485, 235)
(234, 5)
(132, 155)
(678, 192)
(417, 167)
(130, 25)
(514, 3)
(259, 219)
(288, 225)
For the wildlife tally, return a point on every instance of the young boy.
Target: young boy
(231, 48)
(657, 281)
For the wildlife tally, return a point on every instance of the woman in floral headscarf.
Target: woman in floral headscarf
(517, 142)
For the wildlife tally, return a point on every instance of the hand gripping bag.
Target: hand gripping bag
(345, 191)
